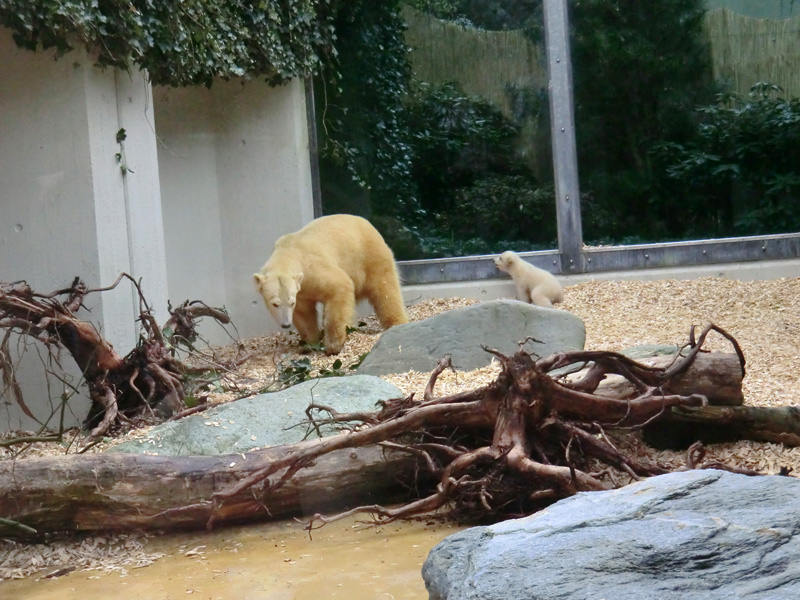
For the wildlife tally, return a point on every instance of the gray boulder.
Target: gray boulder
(263, 420)
(695, 535)
(460, 333)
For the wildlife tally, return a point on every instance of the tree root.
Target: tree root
(149, 383)
(527, 439)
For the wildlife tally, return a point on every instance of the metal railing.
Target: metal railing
(611, 258)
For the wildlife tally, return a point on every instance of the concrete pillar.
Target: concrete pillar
(109, 230)
(139, 169)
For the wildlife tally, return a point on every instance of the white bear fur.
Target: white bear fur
(334, 261)
(534, 285)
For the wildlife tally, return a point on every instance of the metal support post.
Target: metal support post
(562, 122)
(313, 146)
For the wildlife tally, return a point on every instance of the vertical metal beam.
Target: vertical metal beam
(313, 147)
(562, 123)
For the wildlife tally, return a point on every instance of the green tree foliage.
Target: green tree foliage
(462, 168)
(639, 69)
(360, 102)
(476, 192)
(652, 165)
(739, 173)
(507, 210)
(410, 161)
(457, 139)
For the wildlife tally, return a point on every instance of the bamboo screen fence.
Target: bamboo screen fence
(486, 63)
(745, 51)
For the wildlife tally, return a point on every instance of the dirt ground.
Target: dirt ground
(764, 316)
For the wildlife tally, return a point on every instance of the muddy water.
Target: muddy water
(274, 561)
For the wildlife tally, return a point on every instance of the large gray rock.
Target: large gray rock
(499, 324)
(695, 535)
(263, 420)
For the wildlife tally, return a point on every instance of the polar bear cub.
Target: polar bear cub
(534, 285)
(335, 261)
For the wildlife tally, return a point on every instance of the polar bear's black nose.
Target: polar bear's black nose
(286, 326)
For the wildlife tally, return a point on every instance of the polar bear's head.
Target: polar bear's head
(505, 260)
(279, 291)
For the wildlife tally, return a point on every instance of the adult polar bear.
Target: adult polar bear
(334, 260)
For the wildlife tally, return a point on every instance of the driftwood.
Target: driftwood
(503, 449)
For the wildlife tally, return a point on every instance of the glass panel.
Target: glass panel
(461, 163)
(687, 119)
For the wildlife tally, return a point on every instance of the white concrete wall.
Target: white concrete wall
(235, 175)
(66, 209)
(206, 181)
(190, 194)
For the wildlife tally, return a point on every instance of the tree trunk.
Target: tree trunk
(717, 376)
(132, 491)
(709, 424)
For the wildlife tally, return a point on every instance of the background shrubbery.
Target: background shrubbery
(665, 152)
(739, 172)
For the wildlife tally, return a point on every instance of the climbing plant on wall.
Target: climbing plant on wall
(366, 157)
(181, 42)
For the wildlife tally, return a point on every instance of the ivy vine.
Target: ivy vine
(364, 122)
(181, 42)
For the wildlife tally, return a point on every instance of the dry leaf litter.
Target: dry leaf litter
(764, 316)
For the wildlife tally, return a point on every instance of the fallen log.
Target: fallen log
(715, 375)
(133, 491)
(716, 424)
